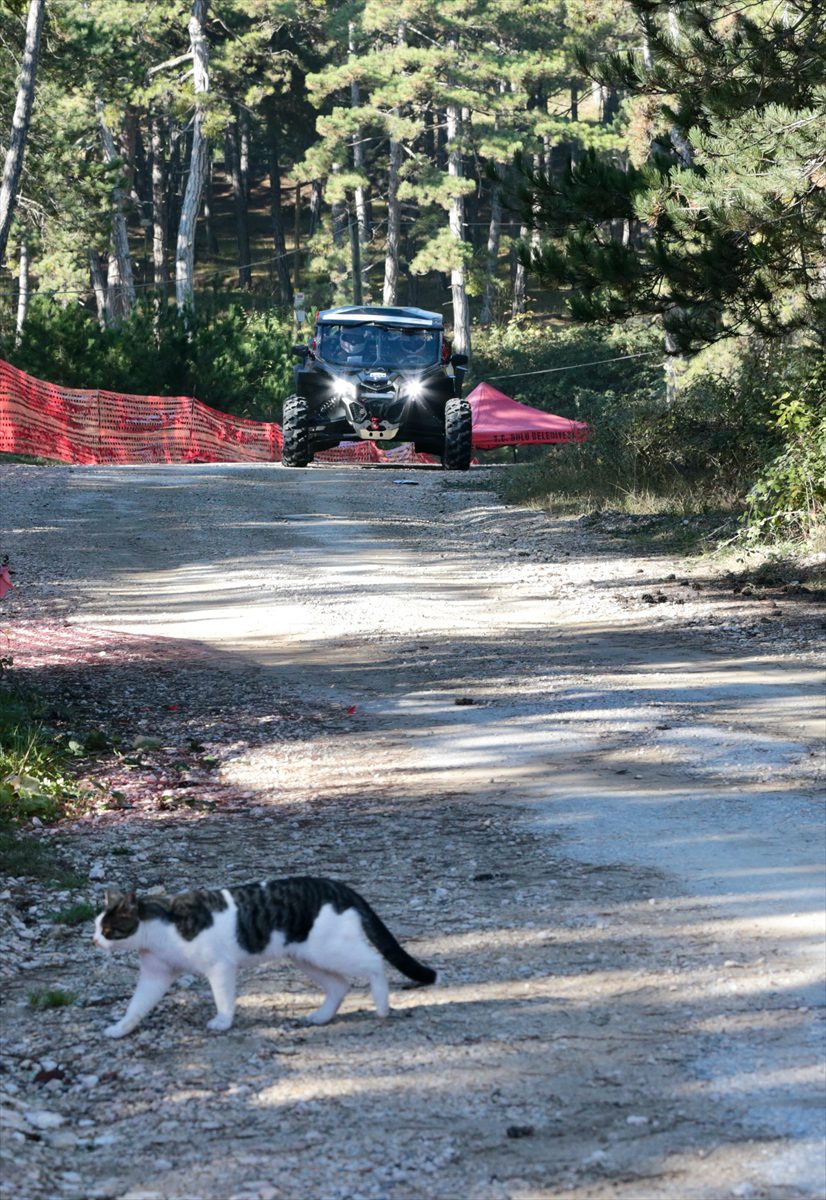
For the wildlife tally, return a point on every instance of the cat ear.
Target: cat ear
(132, 897)
(111, 898)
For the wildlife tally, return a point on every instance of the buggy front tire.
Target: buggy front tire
(458, 435)
(296, 430)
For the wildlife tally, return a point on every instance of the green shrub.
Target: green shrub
(75, 914)
(788, 499)
(34, 781)
(233, 358)
(43, 998)
(707, 446)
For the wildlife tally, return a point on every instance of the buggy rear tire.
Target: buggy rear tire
(458, 435)
(296, 430)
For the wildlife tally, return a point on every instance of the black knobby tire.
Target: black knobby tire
(458, 435)
(296, 430)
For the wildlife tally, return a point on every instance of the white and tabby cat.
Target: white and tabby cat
(324, 927)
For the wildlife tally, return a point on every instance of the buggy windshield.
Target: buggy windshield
(368, 345)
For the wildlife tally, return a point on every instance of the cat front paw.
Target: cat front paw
(220, 1022)
(318, 1018)
(118, 1030)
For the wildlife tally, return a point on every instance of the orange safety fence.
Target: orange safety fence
(352, 452)
(371, 452)
(95, 426)
(407, 453)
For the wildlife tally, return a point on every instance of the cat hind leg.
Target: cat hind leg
(222, 982)
(335, 988)
(378, 989)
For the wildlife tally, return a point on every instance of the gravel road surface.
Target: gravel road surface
(584, 782)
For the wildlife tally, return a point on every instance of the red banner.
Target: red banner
(78, 426)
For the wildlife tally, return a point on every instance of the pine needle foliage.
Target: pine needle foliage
(719, 227)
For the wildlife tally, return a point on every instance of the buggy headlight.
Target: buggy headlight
(345, 390)
(414, 389)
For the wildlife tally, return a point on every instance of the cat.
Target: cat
(324, 927)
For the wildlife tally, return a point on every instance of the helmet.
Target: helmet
(352, 340)
(413, 341)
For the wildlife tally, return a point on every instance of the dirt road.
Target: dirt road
(583, 783)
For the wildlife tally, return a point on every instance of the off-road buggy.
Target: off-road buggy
(376, 374)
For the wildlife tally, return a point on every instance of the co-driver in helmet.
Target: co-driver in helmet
(354, 342)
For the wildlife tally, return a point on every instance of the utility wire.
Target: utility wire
(573, 366)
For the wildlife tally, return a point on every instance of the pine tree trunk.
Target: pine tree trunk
(22, 293)
(573, 148)
(672, 360)
(282, 270)
(358, 156)
(297, 233)
(129, 151)
(520, 279)
(213, 247)
(160, 184)
(494, 235)
(520, 283)
(143, 177)
(316, 199)
(461, 310)
(339, 214)
(122, 288)
(115, 311)
(244, 155)
(610, 105)
(239, 198)
(20, 121)
(355, 255)
(391, 254)
(98, 285)
(185, 247)
(174, 180)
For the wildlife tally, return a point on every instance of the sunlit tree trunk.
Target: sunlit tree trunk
(211, 238)
(355, 255)
(185, 248)
(520, 279)
(316, 199)
(358, 156)
(121, 296)
(282, 270)
(98, 286)
(244, 135)
(494, 235)
(339, 214)
(20, 122)
(22, 293)
(391, 254)
(159, 205)
(461, 310)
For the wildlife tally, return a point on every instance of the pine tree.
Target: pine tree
(727, 199)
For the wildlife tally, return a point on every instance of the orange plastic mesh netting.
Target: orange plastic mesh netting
(370, 452)
(348, 452)
(78, 426)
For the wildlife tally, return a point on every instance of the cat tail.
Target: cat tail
(389, 948)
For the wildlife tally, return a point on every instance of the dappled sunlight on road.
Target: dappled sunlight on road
(598, 820)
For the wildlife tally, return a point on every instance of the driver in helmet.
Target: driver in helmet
(412, 344)
(354, 343)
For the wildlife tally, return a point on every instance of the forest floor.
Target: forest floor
(581, 780)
